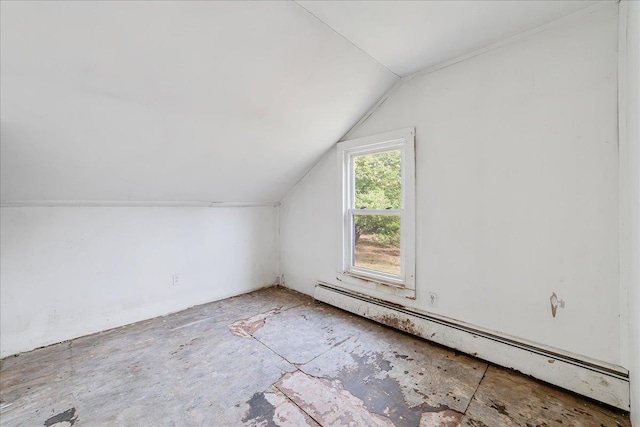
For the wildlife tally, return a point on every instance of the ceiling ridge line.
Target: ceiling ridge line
(347, 39)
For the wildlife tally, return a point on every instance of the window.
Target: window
(377, 212)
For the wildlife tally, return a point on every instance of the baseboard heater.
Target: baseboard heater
(605, 384)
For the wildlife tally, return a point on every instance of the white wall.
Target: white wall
(631, 188)
(517, 189)
(69, 271)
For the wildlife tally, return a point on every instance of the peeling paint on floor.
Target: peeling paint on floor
(298, 363)
(272, 409)
(328, 402)
(247, 327)
(63, 419)
(505, 398)
(444, 418)
(403, 400)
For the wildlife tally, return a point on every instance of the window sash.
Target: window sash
(396, 145)
(392, 279)
(402, 140)
(381, 212)
(351, 212)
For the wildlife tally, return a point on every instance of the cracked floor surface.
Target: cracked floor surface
(274, 358)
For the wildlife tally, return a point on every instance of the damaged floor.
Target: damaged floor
(274, 358)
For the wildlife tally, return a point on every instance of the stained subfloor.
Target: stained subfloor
(274, 358)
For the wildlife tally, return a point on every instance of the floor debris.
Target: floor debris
(328, 402)
(297, 363)
(247, 327)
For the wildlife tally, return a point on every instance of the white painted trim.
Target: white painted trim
(606, 366)
(242, 204)
(128, 204)
(597, 380)
(404, 284)
(624, 177)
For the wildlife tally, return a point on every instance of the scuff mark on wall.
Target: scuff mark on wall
(555, 303)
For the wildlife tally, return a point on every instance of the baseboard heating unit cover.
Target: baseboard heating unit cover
(605, 383)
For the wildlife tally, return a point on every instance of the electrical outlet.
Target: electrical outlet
(433, 299)
(176, 279)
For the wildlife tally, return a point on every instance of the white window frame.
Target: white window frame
(405, 284)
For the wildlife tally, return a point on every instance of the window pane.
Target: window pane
(378, 179)
(377, 243)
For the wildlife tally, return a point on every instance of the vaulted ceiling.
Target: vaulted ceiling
(408, 36)
(209, 101)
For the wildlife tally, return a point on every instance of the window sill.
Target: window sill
(362, 283)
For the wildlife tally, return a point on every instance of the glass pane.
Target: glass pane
(377, 243)
(378, 180)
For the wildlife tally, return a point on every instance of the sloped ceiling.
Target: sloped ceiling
(172, 101)
(209, 101)
(407, 36)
